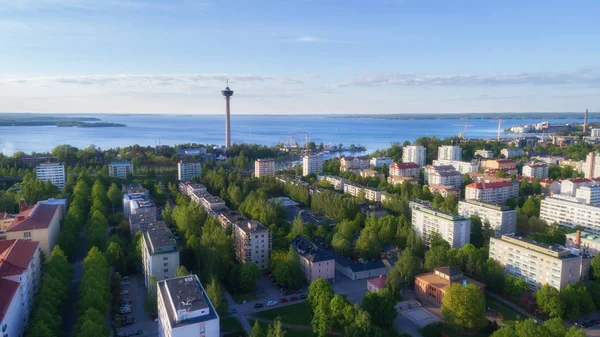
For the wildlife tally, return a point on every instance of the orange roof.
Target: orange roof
(15, 256)
(378, 282)
(37, 217)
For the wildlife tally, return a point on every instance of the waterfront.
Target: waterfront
(373, 133)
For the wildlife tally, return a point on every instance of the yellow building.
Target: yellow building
(37, 223)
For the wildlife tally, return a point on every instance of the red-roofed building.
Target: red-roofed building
(404, 170)
(376, 284)
(19, 281)
(492, 193)
(37, 223)
(5, 221)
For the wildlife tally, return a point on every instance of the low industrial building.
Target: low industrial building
(433, 285)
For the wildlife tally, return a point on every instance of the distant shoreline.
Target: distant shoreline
(80, 122)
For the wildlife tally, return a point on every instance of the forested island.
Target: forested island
(80, 122)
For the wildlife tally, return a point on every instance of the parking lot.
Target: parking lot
(138, 294)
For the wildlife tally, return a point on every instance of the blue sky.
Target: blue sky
(299, 56)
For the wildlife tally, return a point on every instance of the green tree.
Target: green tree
(213, 290)
(368, 246)
(182, 271)
(319, 290)
(528, 328)
(407, 265)
(249, 274)
(556, 327)
(548, 300)
(276, 330)
(574, 332)
(381, 306)
(514, 287)
(257, 330)
(595, 263)
(493, 275)
(505, 332)
(435, 257)
(114, 195)
(477, 238)
(464, 307)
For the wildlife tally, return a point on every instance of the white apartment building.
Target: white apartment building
(414, 154)
(337, 182)
(160, 256)
(456, 230)
(512, 152)
(569, 186)
(54, 172)
(539, 170)
(537, 263)
(312, 164)
(595, 133)
(184, 309)
(591, 166)
(252, 243)
(209, 202)
(444, 175)
(463, 167)
(492, 193)
(588, 242)
(264, 168)
(484, 153)
(404, 170)
(120, 169)
(591, 194)
(380, 161)
(187, 169)
(570, 212)
(354, 164)
(354, 190)
(20, 275)
(449, 152)
(188, 188)
(502, 219)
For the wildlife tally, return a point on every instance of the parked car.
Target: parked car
(126, 320)
(125, 310)
(293, 298)
(258, 305)
(124, 283)
(283, 300)
(136, 332)
(124, 292)
(271, 303)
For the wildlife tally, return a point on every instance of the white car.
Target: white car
(271, 303)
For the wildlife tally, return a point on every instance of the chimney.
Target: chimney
(578, 239)
(22, 205)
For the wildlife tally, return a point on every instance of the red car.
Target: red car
(283, 300)
(293, 298)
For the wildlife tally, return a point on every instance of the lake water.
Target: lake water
(373, 133)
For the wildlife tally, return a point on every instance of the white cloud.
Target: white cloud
(589, 76)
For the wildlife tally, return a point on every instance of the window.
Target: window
(27, 235)
(165, 258)
(166, 264)
(166, 270)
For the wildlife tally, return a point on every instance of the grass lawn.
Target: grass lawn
(509, 316)
(230, 324)
(241, 297)
(295, 314)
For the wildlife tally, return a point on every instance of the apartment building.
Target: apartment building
(380, 161)
(20, 274)
(445, 191)
(137, 203)
(414, 154)
(186, 169)
(120, 169)
(595, 133)
(485, 178)
(312, 164)
(444, 175)
(184, 309)
(252, 243)
(316, 262)
(188, 188)
(337, 182)
(590, 194)
(264, 168)
(355, 190)
(512, 152)
(502, 219)
(433, 285)
(398, 180)
(5, 221)
(463, 167)
(537, 263)
(228, 218)
(160, 256)
(426, 220)
(354, 164)
(484, 153)
(570, 212)
(369, 173)
(549, 159)
(209, 202)
(449, 152)
(492, 193)
(53, 172)
(404, 170)
(499, 164)
(141, 222)
(539, 170)
(585, 241)
(569, 186)
(591, 166)
(37, 223)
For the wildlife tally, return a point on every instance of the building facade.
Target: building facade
(380, 161)
(316, 262)
(354, 164)
(337, 182)
(433, 285)
(449, 152)
(463, 167)
(444, 175)
(414, 154)
(369, 173)
(502, 219)
(496, 193)
(537, 263)
(570, 212)
(539, 170)
(184, 309)
(585, 241)
(404, 170)
(252, 243)
(484, 153)
(569, 186)
(426, 220)
(37, 223)
(264, 168)
(120, 169)
(187, 169)
(53, 172)
(512, 152)
(591, 166)
(160, 256)
(312, 164)
(590, 194)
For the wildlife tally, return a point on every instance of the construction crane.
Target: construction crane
(466, 126)
(499, 120)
